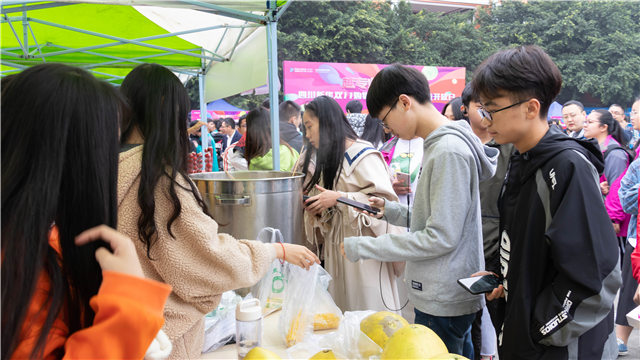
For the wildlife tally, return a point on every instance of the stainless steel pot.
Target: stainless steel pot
(245, 202)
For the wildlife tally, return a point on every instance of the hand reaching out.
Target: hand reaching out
(296, 254)
(375, 202)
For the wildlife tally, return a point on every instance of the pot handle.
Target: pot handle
(245, 200)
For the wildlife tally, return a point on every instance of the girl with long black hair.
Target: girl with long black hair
(63, 293)
(374, 133)
(176, 238)
(338, 164)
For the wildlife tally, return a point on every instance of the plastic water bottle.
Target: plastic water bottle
(248, 326)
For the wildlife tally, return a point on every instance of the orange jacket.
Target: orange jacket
(128, 317)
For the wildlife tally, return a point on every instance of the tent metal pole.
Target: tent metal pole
(224, 11)
(8, 21)
(272, 56)
(7, 8)
(224, 34)
(25, 34)
(11, 64)
(235, 45)
(106, 74)
(204, 131)
(118, 59)
(282, 9)
(7, 72)
(36, 41)
(9, 53)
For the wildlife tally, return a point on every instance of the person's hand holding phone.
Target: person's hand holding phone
(497, 292)
(315, 205)
(376, 202)
(400, 187)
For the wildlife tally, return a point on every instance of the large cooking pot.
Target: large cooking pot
(245, 202)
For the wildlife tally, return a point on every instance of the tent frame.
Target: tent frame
(26, 52)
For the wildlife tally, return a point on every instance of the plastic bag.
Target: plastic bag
(306, 297)
(348, 342)
(326, 314)
(220, 324)
(270, 290)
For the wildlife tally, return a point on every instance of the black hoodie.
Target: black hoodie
(558, 254)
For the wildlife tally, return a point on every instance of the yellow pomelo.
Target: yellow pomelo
(324, 354)
(380, 326)
(260, 353)
(413, 342)
(448, 356)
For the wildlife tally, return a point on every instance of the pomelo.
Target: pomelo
(380, 326)
(413, 342)
(324, 354)
(258, 353)
(448, 356)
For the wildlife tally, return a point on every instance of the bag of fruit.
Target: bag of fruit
(307, 304)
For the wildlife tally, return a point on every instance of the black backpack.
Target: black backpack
(630, 153)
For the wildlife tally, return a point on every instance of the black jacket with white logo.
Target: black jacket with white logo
(558, 254)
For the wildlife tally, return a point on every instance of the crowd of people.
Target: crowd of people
(103, 228)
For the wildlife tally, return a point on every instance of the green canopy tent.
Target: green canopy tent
(230, 45)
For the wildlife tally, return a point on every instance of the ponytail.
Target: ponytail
(613, 127)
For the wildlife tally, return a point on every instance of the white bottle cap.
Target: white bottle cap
(249, 310)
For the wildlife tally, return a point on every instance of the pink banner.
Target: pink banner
(304, 81)
(195, 114)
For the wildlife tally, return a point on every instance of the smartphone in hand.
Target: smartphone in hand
(480, 284)
(404, 179)
(355, 204)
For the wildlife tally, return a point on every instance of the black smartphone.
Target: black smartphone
(355, 204)
(480, 284)
(359, 205)
(305, 198)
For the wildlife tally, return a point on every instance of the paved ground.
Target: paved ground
(634, 346)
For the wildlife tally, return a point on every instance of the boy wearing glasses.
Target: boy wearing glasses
(558, 252)
(444, 243)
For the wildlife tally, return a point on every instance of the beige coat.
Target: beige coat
(198, 263)
(357, 286)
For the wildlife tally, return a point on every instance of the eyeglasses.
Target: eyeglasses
(384, 124)
(486, 114)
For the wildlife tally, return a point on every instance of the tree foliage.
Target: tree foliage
(596, 44)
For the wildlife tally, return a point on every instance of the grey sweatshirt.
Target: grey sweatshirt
(445, 239)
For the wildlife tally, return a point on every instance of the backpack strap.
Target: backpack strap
(630, 154)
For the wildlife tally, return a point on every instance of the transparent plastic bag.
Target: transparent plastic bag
(296, 320)
(220, 324)
(348, 342)
(326, 314)
(270, 290)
